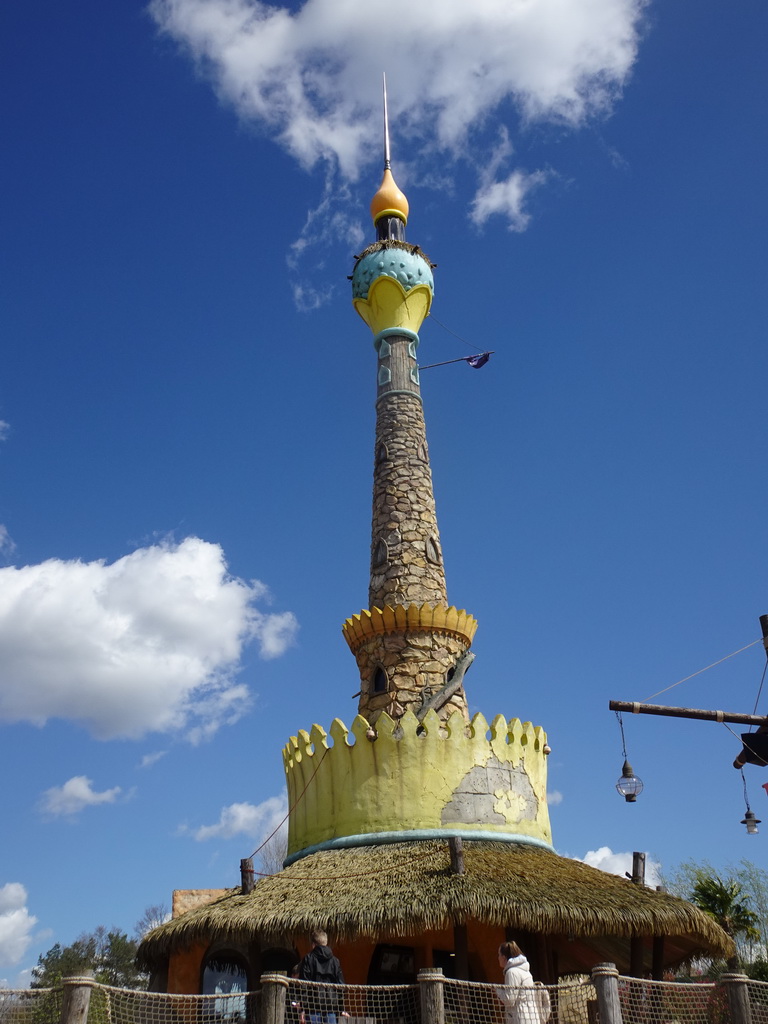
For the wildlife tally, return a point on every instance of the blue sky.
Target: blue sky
(187, 410)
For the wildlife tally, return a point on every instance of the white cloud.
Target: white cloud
(151, 642)
(621, 864)
(554, 798)
(16, 923)
(253, 820)
(149, 759)
(506, 198)
(310, 76)
(276, 634)
(4, 429)
(7, 545)
(76, 794)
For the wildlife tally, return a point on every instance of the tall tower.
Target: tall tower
(412, 766)
(411, 647)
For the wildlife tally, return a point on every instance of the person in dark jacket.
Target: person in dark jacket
(321, 965)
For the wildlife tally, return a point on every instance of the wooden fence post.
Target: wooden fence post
(736, 986)
(431, 981)
(605, 978)
(273, 989)
(77, 998)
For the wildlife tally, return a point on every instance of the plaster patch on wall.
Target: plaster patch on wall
(492, 794)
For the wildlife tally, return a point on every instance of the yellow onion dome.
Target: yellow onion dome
(389, 200)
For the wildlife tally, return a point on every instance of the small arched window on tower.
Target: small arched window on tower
(432, 551)
(380, 553)
(380, 681)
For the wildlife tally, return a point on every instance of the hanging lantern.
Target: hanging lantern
(751, 822)
(629, 785)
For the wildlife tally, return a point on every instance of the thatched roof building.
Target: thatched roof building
(407, 889)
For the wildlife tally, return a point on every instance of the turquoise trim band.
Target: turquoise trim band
(408, 836)
(401, 332)
(401, 391)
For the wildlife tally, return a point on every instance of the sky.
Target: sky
(187, 413)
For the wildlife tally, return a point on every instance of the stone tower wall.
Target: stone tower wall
(406, 557)
(416, 665)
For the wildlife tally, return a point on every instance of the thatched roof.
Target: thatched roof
(404, 889)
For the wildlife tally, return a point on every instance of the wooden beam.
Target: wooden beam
(702, 714)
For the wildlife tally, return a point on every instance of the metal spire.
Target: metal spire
(387, 163)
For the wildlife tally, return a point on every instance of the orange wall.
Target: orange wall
(184, 970)
(483, 943)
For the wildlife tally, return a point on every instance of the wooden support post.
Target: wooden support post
(273, 989)
(638, 868)
(77, 998)
(246, 875)
(605, 978)
(636, 956)
(460, 940)
(738, 997)
(456, 847)
(543, 960)
(461, 949)
(657, 958)
(431, 981)
(636, 943)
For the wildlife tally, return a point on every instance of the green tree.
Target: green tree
(725, 901)
(751, 892)
(111, 955)
(62, 961)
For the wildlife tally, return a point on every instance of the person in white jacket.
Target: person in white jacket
(518, 993)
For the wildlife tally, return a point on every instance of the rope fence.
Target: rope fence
(606, 998)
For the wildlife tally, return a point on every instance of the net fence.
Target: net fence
(468, 1002)
(758, 1001)
(313, 1002)
(30, 1005)
(571, 1001)
(124, 1006)
(672, 1002)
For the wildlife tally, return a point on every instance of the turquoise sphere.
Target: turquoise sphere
(409, 268)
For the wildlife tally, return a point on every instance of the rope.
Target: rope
(760, 689)
(288, 812)
(691, 676)
(455, 335)
(623, 741)
(746, 798)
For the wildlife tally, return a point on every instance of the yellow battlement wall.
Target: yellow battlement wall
(408, 778)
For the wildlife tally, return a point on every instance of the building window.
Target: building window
(225, 975)
(380, 681)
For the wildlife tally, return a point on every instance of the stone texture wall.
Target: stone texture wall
(190, 899)
(416, 665)
(406, 558)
